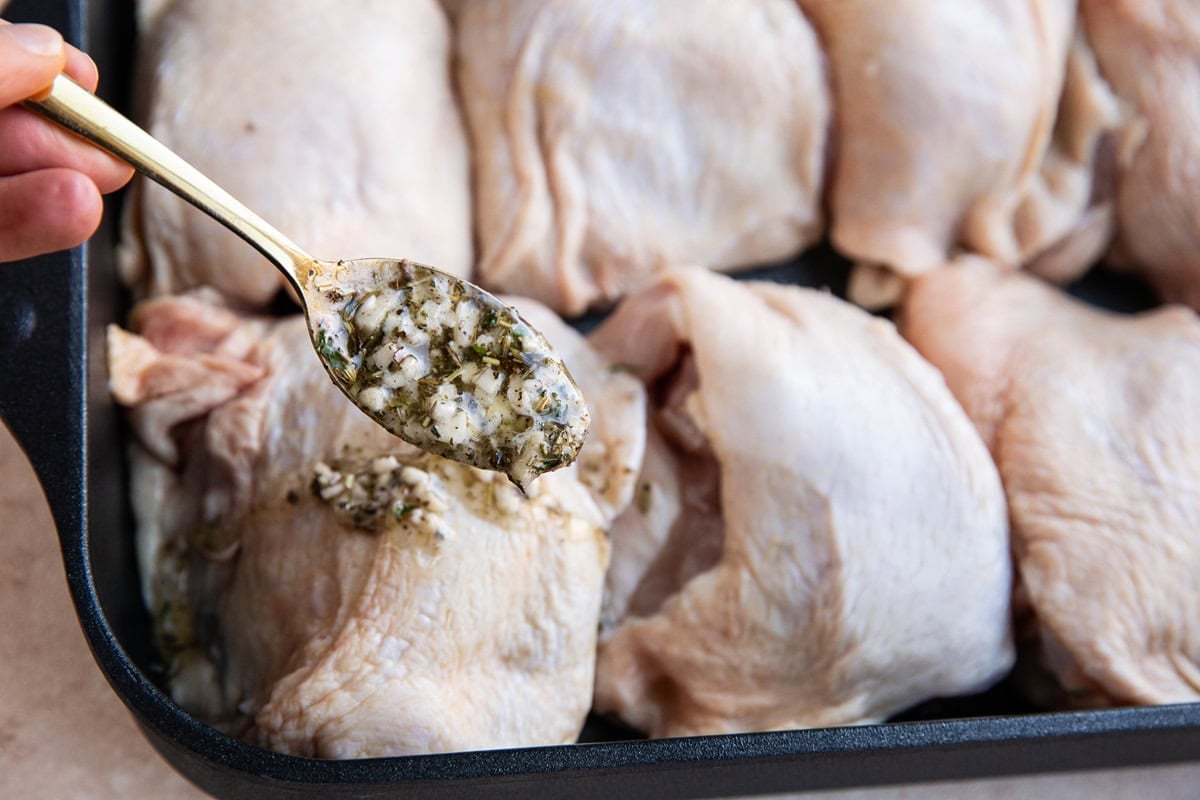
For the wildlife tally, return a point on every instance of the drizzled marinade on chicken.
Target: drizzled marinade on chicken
(322, 588)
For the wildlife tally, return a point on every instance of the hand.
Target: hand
(50, 180)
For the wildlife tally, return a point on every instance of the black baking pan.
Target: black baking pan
(54, 397)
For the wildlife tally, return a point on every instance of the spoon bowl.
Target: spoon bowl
(434, 359)
(444, 365)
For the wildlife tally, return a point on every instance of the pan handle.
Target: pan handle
(43, 373)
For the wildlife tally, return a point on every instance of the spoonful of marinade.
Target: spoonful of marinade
(434, 359)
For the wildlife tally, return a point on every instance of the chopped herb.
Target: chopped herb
(645, 497)
(337, 361)
(373, 341)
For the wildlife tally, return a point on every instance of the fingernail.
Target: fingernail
(36, 39)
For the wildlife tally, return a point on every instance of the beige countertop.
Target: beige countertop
(64, 734)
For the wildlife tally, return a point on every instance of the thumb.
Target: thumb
(30, 57)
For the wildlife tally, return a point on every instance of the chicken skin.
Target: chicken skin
(336, 122)
(614, 140)
(944, 110)
(817, 537)
(1149, 51)
(1092, 420)
(320, 587)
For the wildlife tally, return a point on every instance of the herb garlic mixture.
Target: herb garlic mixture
(374, 495)
(460, 375)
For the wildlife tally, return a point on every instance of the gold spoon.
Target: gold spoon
(432, 358)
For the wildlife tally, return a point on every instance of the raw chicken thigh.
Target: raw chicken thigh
(1149, 50)
(323, 589)
(613, 139)
(944, 112)
(818, 536)
(335, 122)
(1093, 421)
(1066, 220)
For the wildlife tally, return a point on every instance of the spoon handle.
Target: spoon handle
(80, 111)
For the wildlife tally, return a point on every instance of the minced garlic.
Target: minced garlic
(376, 494)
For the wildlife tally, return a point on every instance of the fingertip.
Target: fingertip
(108, 172)
(70, 59)
(82, 68)
(40, 41)
(78, 200)
(30, 57)
(115, 178)
(47, 211)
